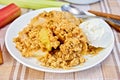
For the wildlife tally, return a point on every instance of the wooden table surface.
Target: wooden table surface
(109, 69)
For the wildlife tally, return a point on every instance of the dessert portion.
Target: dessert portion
(58, 35)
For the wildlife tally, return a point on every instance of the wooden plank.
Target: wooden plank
(114, 6)
(5, 69)
(94, 73)
(115, 10)
(34, 74)
(23, 11)
(95, 6)
(109, 70)
(56, 76)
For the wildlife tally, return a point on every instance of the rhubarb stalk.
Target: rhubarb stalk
(8, 14)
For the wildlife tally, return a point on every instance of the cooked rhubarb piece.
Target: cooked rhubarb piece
(8, 14)
(44, 38)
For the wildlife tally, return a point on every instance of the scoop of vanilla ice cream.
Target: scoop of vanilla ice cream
(97, 32)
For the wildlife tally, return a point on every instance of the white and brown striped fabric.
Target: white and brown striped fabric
(109, 69)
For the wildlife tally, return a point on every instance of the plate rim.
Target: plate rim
(84, 3)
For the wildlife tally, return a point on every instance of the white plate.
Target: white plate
(83, 1)
(23, 20)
